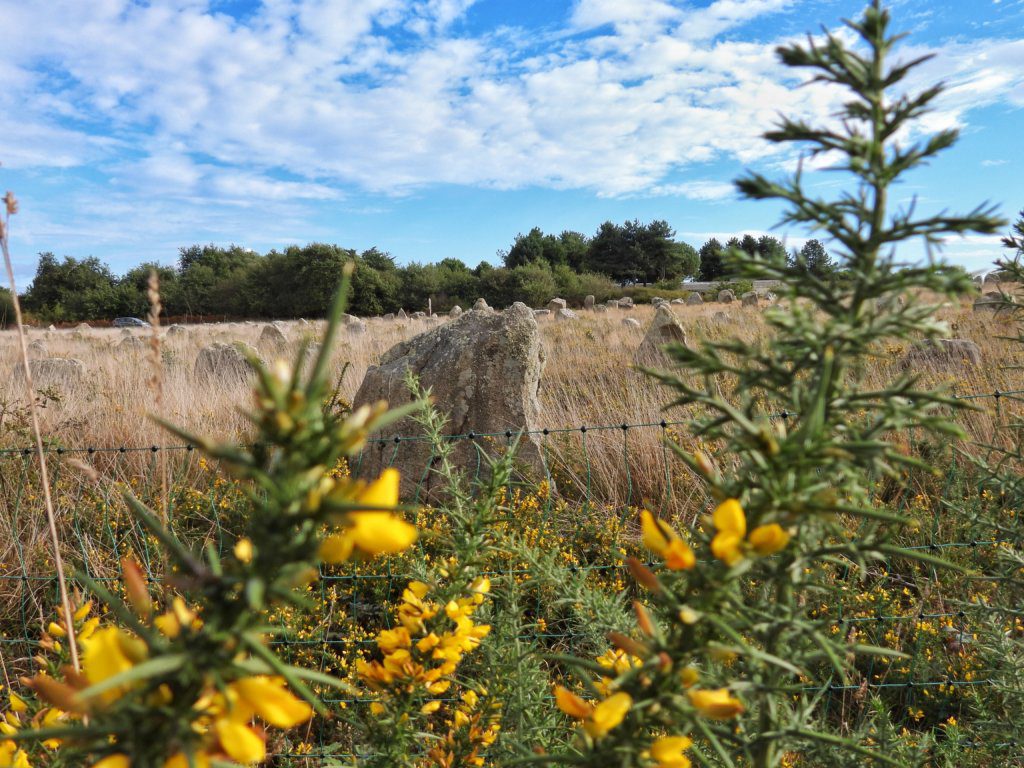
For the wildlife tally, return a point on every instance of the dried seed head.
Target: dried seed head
(11, 202)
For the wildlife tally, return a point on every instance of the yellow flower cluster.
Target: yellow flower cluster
(730, 543)
(598, 719)
(373, 531)
(417, 655)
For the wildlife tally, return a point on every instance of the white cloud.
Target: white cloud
(307, 97)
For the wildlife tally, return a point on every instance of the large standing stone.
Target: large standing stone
(556, 304)
(626, 302)
(62, 372)
(455, 312)
(726, 297)
(750, 299)
(484, 373)
(694, 300)
(664, 329)
(224, 363)
(588, 302)
(943, 353)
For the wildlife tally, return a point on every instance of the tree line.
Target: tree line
(211, 280)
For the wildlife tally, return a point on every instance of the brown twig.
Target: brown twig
(11, 207)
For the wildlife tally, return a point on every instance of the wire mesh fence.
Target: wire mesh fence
(592, 528)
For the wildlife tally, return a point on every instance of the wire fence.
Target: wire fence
(593, 531)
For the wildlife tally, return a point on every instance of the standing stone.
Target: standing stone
(484, 373)
(626, 302)
(612, 304)
(389, 316)
(51, 328)
(481, 305)
(600, 308)
(401, 316)
(679, 302)
(631, 322)
(556, 304)
(83, 327)
(541, 312)
(38, 349)
(891, 303)
(418, 315)
(132, 344)
(63, 372)
(991, 301)
(588, 302)
(750, 299)
(565, 314)
(455, 312)
(273, 336)
(126, 334)
(726, 297)
(224, 363)
(357, 327)
(664, 329)
(944, 353)
(177, 330)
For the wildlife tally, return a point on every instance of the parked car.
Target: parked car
(130, 322)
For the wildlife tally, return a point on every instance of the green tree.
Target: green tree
(75, 289)
(711, 265)
(814, 259)
(213, 279)
(6, 308)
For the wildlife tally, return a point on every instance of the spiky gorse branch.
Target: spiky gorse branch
(728, 656)
(189, 679)
(424, 710)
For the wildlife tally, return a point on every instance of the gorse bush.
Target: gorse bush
(493, 643)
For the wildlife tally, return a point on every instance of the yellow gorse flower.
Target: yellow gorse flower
(716, 704)
(661, 539)
(109, 652)
(372, 532)
(731, 525)
(598, 718)
(668, 751)
(608, 714)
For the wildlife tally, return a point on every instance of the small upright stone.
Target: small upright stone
(480, 306)
(726, 297)
(750, 299)
(556, 304)
(400, 316)
(455, 312)
(588, 302)
(273, 336)
(664, 329)
(631, 322)
(565, 314)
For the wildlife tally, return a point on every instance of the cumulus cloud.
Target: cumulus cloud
(303, 98)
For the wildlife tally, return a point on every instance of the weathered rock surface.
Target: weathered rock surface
(484, 370)
(273, 336)
(750, 299)
(726, 297)
(612, 304)
(224, 363)
(694, 300)
(401, 316)
(664, 329)
(565, 314)
(991, 302)
(588, 302)
(481, 304)
(83, 327)
(38, 349)
(631, 322)
(177, 330)
(455, 312)
(556, 304)
(541, 312)
(65, 373)
(132, 344)
(626, 302)
(944, 353)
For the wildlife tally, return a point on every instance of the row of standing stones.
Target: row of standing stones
(497, 359)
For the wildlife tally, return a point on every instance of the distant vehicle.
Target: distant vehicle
(130, 322)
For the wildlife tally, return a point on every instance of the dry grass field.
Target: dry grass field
(589, 379)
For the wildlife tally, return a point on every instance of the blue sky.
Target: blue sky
(435, 128)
